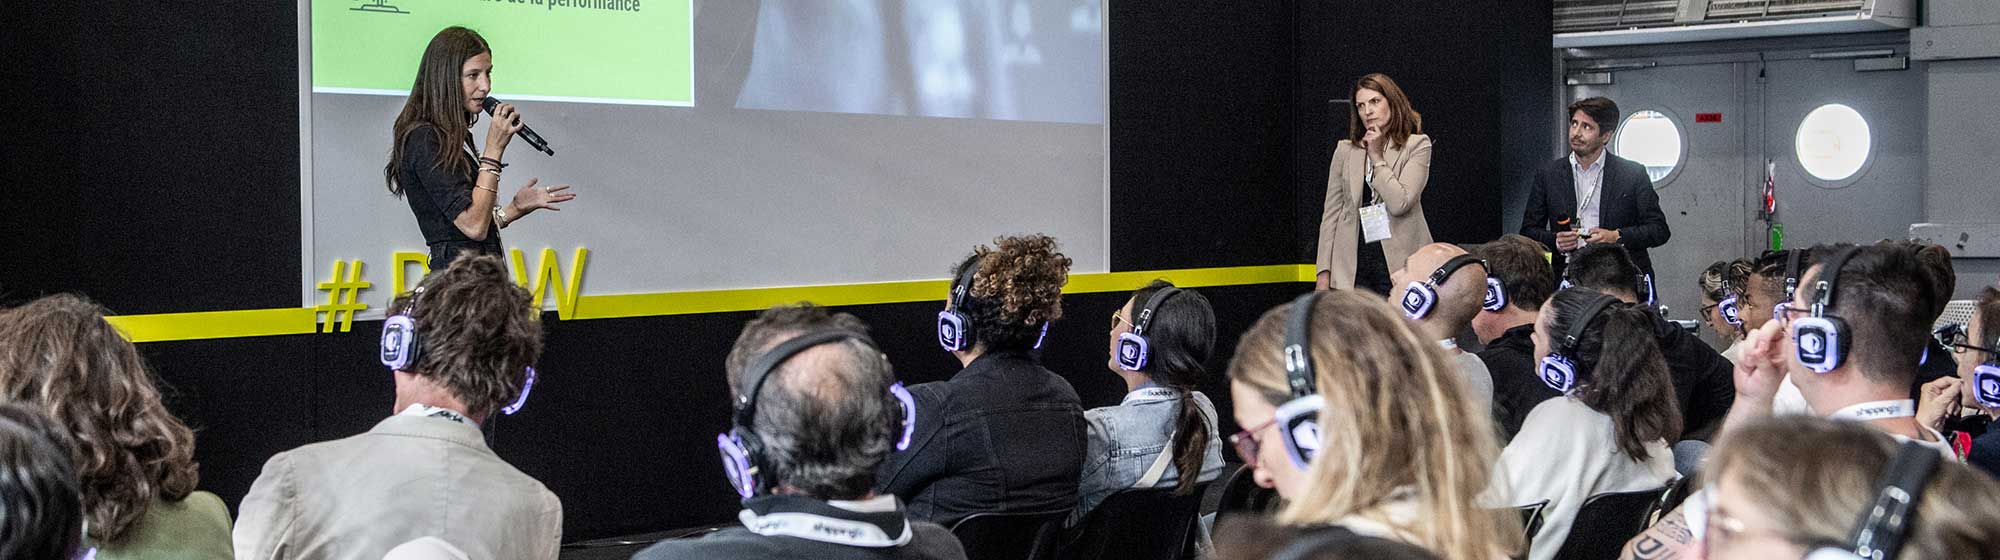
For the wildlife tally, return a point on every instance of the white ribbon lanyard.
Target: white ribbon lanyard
(823, 529)
(1877, 410)
(1375, 215)
(1154, 394)
(421, 409)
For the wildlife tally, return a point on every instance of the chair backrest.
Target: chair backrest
(1531, 523)
(1240, 494)
(1150, 524)
(1677, 492)
(1011, 536)
(1606, 522)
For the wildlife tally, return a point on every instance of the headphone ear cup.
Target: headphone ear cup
(952, 327)
(1496, 295)
(1986, 385)
(1730, 313)
(1133, 351)
(1558, 372)
(736, 464)
(907, 427)
(1418, 300)
(1821, 342)
(1298, 428)
(399, 342)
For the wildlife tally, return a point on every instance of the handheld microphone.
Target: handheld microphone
(525, 133)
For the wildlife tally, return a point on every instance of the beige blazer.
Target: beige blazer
(1401, 189)
(409, 477)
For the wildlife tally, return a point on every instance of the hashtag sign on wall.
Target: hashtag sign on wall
(342, 293)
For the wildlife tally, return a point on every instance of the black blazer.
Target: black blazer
(1628, 204)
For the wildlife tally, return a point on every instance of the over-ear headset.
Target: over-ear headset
(1422, 296)
(1643, 291)
(1496, 295)
(743, 452)
(1791, 279)
(401, 347)
(954, 326)
(1298, 419)
(1134, 348)
(1559, 368)
(1879, 534)
(1986, 377)
(1732, 313)
(1822, 339)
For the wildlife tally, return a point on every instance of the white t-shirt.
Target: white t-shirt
(1565, 453)
(1789, 400)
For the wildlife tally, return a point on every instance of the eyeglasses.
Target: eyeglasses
(1118, 318)
(1247, 443)
(1706, 309)
(1783, 313)
(1720, 530)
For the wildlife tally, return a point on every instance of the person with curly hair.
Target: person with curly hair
(425, 471)
(1004, 434)
(134, 459)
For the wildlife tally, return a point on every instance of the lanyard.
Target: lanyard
(421, 409)
(1150, 395)
(825, 529)
(1877, 410)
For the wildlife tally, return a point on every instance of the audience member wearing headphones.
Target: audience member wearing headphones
(1160, 340)
(135, 460)
(1360, 421)
(1520, 281)
(1937, 361)
(1776, 279)
(1849, 339)
(1610, 433)
(817, 409)
(1977, 387)
(1004, 434)
(461, 344)
(1441, 288)
(41, 503)
(1256, 538)
(1702, 384)
(1802, 487)
(1722, 302)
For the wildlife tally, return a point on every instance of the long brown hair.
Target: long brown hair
(1397, 415)
(1404, 120)
(437, 101)
(60, 356)
(1620, 370)
(1181, 337)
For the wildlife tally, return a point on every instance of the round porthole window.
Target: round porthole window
(1652, 139)
(1833, 142)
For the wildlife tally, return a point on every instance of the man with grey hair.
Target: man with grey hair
(815, 415)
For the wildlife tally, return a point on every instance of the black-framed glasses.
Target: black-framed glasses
(1710, 308)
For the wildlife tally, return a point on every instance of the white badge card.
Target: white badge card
(1374, 223)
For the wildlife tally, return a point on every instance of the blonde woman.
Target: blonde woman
(1781, 487)
(1359, 421)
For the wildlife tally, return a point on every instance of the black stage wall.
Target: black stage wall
(152, 165)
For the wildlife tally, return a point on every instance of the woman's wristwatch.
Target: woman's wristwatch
(500, 215)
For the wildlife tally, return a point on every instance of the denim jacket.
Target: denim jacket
(1125, 440)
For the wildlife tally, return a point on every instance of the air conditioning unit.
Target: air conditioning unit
(1598, 23)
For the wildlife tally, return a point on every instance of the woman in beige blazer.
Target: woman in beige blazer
(1385, 161)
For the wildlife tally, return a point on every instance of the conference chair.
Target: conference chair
(1150, 524)
(1606, 522)
(1011, 536)
(1240, 494)
(1531, 523)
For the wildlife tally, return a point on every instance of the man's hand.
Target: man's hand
(1606, 236)
(1567, 240)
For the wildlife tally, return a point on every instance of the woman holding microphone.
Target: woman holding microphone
(455, 192)
(1374, 214)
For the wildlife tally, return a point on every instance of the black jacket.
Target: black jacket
(1627, 204)
(1704, 381)
(1003, 435)
(1516, 386)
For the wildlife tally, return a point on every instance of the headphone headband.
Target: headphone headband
(1145, 321)
(1792, 271)
(964, 288)
(761, 369)
(1829, 281)
(1298, 345)
(1451, 267)
(1574, 334)
(1879, 534)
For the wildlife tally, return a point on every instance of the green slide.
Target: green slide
(637, 52)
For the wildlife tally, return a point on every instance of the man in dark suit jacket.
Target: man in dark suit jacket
(1619, 207)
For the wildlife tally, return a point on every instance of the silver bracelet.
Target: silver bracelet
(500, 215)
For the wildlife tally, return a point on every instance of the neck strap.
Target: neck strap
(1152, 306)
(1298, 346)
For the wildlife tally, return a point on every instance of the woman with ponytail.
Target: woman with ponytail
(1163, 424)
(1611, 431)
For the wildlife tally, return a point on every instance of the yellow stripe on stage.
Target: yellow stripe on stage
(274, 322)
